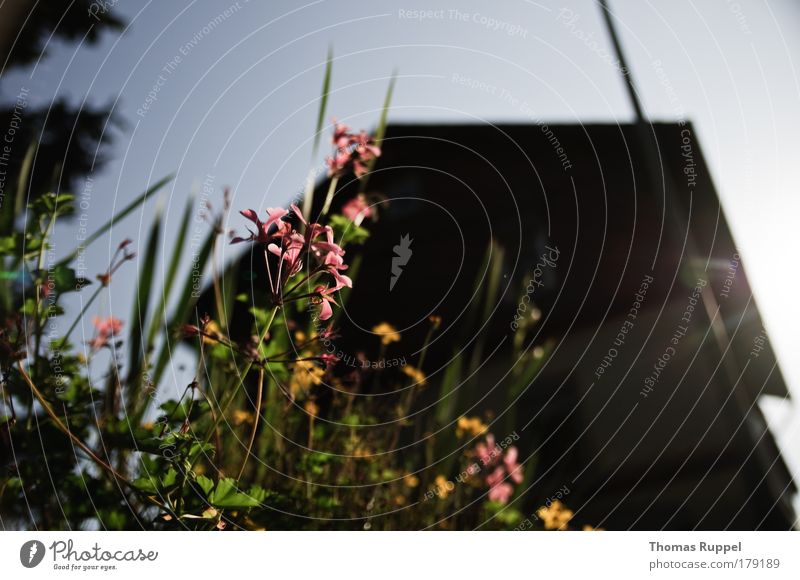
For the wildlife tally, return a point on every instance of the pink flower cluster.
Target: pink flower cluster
(352, 152)
(504, 468)
(357, 209)
(105, 328)
(315, 244)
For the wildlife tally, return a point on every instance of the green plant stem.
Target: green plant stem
(94, 295)
(242, 376)
(256, 417)
(302, 280)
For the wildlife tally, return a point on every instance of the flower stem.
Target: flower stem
(256, 417)
(242, 377)
(82, 313)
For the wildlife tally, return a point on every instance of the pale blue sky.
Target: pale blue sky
(241, 103)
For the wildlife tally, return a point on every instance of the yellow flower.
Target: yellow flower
(442, 486)
(212, 330)
(400, 500)
(305, 376)
(311, 408)
(470, 425)
(556, 516)
(300, 336)
(239, 416)
(388, 333)
(588, 528)
(411, 480)
(416, 375)
(363, 452)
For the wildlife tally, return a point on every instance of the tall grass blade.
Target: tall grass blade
(186, 303)
(141, 301)
(159, 315)
(380, 131)
(323, 101)
(308, 198)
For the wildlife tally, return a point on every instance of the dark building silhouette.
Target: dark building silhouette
(645, 409)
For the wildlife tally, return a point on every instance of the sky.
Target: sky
(225, 93)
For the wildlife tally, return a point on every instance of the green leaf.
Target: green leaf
(380, 132)
(146, 484)
(197, 449)
(323, 101)
(227, 495)
(22, 184)
(141, 301)
(205, 483)
(346, 231)
(159, 316)
(258, 494)
(64, 278)
(170, 478)
(29, 307)
(186, 302)
(8, 244)
(153, 484)
(308, 198)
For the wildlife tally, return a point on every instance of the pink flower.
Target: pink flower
(323, 298)
(312, 247)
(505, 470)
(513, 468)
(501, 493)
(496, 477)
(329, 359)
(261, 235)
(352, 151)
(289, 251)
(341, 279)
(357, 209)
(105, 328)
(486, 451)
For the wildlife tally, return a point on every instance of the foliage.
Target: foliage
(273, 431)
